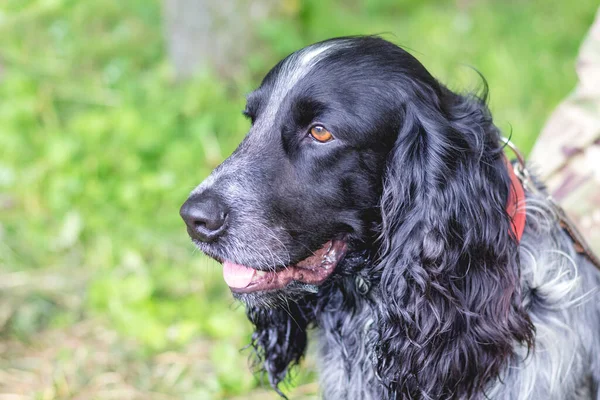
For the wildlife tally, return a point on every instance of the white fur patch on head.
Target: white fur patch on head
(293, 69)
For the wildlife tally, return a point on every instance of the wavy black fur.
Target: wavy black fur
(449, 265)
(417, 183)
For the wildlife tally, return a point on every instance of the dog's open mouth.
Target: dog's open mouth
(312, 270)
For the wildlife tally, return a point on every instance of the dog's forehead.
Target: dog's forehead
(284, 77)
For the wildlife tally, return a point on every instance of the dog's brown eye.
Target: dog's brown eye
(320, 134)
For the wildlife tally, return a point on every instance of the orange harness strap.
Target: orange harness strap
(515, 206)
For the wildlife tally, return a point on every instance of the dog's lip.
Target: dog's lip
(312, 270)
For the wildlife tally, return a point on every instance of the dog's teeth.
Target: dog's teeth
(329, 258)
(261, 273)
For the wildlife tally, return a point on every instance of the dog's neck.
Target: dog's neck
(347, 337)
(347, 317)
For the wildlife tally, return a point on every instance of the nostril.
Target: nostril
(199, 226)
(212, 223)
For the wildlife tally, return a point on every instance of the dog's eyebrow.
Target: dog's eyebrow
(253, 100)
(308, 109)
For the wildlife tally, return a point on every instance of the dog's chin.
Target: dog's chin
(293, 292)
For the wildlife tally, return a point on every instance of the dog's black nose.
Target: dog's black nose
(205, 216)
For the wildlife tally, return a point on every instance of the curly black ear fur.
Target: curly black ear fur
(449, 264)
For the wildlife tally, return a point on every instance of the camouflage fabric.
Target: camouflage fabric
(567, 153)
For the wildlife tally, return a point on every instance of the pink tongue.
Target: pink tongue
(237, 276)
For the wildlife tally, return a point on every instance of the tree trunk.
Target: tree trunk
(217, 34)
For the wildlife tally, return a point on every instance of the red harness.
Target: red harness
(515, 206)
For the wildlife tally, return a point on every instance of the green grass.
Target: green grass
(99, 146)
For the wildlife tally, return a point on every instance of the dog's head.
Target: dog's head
(355, 146)
(306, 181)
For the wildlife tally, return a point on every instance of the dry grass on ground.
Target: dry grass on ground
(87, 361)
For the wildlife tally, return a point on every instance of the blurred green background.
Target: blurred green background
(102, 295)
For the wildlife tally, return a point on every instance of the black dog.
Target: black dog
(370, 201)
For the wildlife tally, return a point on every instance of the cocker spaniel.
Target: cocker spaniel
(374, 204)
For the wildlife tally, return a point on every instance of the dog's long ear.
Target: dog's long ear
(280, 338)
(449, 263)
